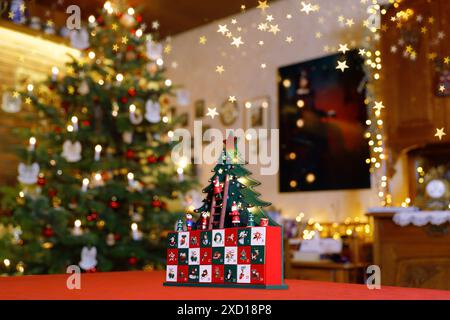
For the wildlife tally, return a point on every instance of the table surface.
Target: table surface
(148, 286)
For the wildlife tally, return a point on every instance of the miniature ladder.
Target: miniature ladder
(223, 209)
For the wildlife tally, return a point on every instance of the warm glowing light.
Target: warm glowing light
(168, 82)
(91, 19)
(119, 77)
(91, 55)
(300, 103)
(130, 11)
(77, 223)
(30, 87)
(139, 33)
(160, 62)
(7, 262)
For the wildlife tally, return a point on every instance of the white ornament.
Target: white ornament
(71, 151)
(88, 258)
(28, 174)
(127, 137)
(11, 104)
(83, 89)
(79, 39)
(153, 111)
(154, 50)
(436, 189)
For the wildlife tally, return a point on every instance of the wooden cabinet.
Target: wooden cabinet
(409, 86)
(411, 256)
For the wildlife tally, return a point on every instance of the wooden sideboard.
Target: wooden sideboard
(411, 256)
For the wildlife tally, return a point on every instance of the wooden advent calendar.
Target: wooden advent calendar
(250, 257)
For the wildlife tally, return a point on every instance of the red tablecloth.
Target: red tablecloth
(148, 286)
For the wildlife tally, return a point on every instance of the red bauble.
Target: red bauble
(41, 181)
(52, 192)
(117, 236)
(48, 232)
(114, 204)
(139, 19)
(93, 216)
(156, 203)
(132, 261)
(152, 159)
(100, 20)
(124, 100)
(129, 154)
(132, 92)
(130, 48)
(161, 159)
(86, 123)
(58, 130)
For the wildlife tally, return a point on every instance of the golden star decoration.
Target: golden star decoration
(343, 48)
(274, 29)
(342, 65)
(28, 100)
(11, 15)
(223, 29)
(16, 94)
(115, 47)
(232, 99)
(447, 60)
(114, 26)
(442, 88)
(168, 49)
(263, 5)
(125, 40)
(289, 39)
(440, 133)
(202, 40)
(220, 69)
(306, 7)
(237, 42)
(212, 112)
(378, 106)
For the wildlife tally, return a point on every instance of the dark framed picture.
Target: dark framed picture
(199, 106)
(322, 119)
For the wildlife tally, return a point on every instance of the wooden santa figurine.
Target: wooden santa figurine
(217, 188)
(204, 220)
(235, 215)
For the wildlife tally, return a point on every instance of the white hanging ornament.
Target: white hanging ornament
(153, 111)
(79, 39)
(88, 258)
(154, 50)
(83, 89)
(127, 20)
(72, 151)
(11, 104)
(127, 137)
(135, 115)
(28, 174)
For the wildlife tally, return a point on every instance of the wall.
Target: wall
(244, 79)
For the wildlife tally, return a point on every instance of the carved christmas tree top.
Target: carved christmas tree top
(230, 199)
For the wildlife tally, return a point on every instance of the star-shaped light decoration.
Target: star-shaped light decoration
(114, 26)
(16, 94)
(289, 39)
(23, 7)
(318, 35)
(212, 112)
(11, 15)
(262, 5)
(115, 47)
(263, 66)
(270, 18)
(237, 42)
(125, 40)
(202, 40)
(155, 25)
(378, 106)
(343, 48)
(263, 26)
(342, 65)
(274, 29)
(234, 21)
(220, 69)
(168, 49)
(28, 100)
(362, 52)
(442, 88)
(349, 22)
(447, 60)
(223, 29)
(440, 133)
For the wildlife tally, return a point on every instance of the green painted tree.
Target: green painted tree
(240, 192)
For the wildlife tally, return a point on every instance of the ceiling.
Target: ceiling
(174, 16)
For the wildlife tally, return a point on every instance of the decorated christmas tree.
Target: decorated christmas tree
(95, 177)
(231, 200)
